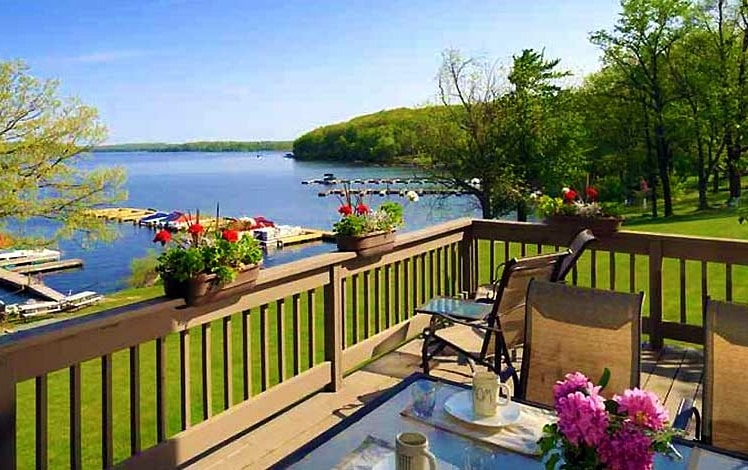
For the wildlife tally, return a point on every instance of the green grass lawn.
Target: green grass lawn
(719, 222)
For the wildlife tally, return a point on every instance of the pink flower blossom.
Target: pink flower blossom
(627, 449)
(643, 408)
(573, 382)
(582, 418)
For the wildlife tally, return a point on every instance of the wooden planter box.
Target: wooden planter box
(373, 244)
(204, 288)
(600, 226)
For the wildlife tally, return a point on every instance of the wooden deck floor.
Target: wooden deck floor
(673, 374)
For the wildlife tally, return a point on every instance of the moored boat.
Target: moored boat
(80, 300)
(45, 254)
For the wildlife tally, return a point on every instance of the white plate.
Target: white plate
(460, 405)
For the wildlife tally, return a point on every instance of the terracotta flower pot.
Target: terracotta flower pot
(205, 288)
(600, 226)
(372, 244)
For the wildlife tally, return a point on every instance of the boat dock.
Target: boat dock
(393, 192)
(48, 267)
(18, 280)
(330, 179)
(122, 214)
(134, 216)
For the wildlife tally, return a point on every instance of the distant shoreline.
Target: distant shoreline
(207, 146)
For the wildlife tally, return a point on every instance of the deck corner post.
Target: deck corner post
(655, 294)
(467, 259)
(334, 311)
(7, 418)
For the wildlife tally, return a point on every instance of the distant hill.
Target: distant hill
(391, 136)
(207, 146)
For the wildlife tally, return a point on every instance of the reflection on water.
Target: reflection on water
(240, 184)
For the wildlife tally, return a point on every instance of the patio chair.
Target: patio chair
(487, 340)
(725, 409)
(487, 292)
(571, 329)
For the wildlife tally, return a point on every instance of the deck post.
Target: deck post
(655, 294)
(334, 328)
(466, 261)
(7, 418)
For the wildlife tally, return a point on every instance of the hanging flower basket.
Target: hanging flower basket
(205, 288)
(371, 244)
(600, 226)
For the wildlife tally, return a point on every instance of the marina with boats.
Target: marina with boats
(16, 270)
(267, 232)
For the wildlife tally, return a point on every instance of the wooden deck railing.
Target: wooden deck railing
(156, 384)
(676, 273)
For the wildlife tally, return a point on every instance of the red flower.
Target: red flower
(196, 229)
(345, 209)
(230, 235)
(570, 195)
(163, 237)
(362, 209)
(591, 193)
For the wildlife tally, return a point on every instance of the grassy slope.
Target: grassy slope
(718, 222)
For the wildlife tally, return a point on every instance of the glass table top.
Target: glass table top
(462, 308)
(382, 421)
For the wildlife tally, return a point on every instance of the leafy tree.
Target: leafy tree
(639, 45)
(728, 24)
(42, 141)
(513, 132)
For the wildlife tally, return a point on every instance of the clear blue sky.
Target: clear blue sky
(180, 70)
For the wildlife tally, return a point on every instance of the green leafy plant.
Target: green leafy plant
(219, 252)
(358, 219)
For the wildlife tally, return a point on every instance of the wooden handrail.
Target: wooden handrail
(442, 259)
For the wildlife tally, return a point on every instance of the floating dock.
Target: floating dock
(24, 260)
(18, 280)
(122, 214)
(133, 215)
(393, 192)
(48, 267)
(328, 180)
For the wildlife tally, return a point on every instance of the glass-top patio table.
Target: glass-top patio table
(381, 420)
(460, 308)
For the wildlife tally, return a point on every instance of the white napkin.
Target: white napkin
(521, 437)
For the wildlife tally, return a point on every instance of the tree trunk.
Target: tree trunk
(703, 204)
(715, 181)
(733, 172)
(663, 165)
(521, 211)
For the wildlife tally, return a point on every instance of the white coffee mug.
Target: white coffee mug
(412, 452)
(486, 389)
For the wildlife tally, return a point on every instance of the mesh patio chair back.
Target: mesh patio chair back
(577, 246)
(508, 311)
(725, 381)
(573, 329)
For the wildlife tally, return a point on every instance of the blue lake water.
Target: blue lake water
(243, 185)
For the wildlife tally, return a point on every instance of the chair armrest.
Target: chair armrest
(685, 412)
